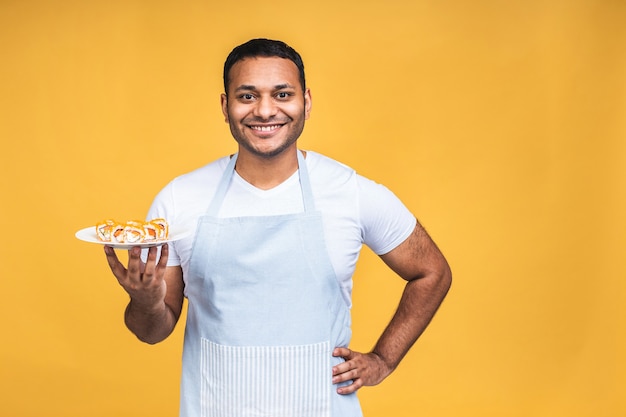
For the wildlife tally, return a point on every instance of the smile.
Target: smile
(266, 128)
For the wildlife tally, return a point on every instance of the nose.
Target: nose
(265, 108)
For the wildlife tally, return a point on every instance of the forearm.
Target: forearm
(428, 277)
(419, 303)
(150, 324)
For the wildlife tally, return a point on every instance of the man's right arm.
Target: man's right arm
(155, 290)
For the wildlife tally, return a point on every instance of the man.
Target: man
(268, 271)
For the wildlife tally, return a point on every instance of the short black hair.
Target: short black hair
(262, 47)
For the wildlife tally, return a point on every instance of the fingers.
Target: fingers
(125, 276)
(116, 266)
(343, 352)
(346, 371)
(165, 251)
(349, 389)
(150, 265)
(154, 268)
(137, 269)
(144, 282)
(361, 369)
(135, 265)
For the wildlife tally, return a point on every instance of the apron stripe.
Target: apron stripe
(272, 381)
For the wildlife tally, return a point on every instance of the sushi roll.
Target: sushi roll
(103, 230)
(162, 228)
(133, 232)
(117, 233)
(151, 232)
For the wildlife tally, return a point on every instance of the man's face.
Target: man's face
(265, 106)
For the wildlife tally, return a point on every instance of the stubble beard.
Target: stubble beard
(243, 141)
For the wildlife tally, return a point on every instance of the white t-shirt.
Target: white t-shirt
(355, 210)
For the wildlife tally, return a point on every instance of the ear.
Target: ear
(224, 102)
(308, 104)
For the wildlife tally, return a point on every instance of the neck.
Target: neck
(266, 173)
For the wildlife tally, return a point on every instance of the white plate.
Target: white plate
(88, 234)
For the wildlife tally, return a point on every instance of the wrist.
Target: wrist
(145, 307)
(383, 361)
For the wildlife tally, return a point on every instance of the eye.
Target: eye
(246, 97)
(283, 95)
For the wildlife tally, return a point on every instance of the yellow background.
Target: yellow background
(501, 124)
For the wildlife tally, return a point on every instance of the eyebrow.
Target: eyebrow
(247, 87)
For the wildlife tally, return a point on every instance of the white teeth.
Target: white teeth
(265, 128)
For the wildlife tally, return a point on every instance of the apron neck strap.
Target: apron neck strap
(305, 184)
(222, 188)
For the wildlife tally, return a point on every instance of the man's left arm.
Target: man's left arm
(428, 276)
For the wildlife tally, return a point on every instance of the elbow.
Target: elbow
(446, 278)
(149, 338)
(151, 341)
(445, 275)
(147, 334)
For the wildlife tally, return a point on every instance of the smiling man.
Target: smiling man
(267, 106)
(268, 271)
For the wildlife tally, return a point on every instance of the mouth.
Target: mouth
(265, 131)
(265, 128)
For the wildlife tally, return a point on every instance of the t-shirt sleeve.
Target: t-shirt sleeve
(385, 221)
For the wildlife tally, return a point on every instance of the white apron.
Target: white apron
(265, 313)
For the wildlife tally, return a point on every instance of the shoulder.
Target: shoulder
(329, 172)
(384, 220)
(320, 164)
(326, 172)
